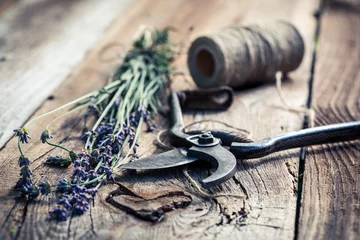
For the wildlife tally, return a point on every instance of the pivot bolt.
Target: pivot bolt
(206, 138)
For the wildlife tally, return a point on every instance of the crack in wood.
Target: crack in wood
(237, 182)
(294, 177)
(23, 217)
(92, 222)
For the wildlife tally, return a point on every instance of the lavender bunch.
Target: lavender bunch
(121, 109)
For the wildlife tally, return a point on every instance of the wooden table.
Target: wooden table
(54, 51)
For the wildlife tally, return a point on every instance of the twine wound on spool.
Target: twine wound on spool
(239, 56)
(248, 55)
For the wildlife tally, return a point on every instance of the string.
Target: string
(310, 113)
(245, 55)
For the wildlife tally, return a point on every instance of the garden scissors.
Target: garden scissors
(222, 148)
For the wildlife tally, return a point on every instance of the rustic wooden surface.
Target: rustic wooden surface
(269, 184)
(41, 42)
(331, 190)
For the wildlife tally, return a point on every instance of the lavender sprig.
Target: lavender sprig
(120, 109)
(25, 184)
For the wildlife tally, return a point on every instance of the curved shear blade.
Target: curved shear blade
(173, 158)
(224, 161)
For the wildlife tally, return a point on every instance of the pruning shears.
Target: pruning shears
(222, 149)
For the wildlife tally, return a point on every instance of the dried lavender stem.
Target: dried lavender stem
(70, 103)
(66, 114)
(20, 149)
(57, 146)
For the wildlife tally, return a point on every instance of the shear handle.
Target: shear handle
(219, 98)
(311, 136)
(177, 135)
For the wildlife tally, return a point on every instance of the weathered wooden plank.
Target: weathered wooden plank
(41, 42)
(330, 205)
(268, 212)
(6, 4)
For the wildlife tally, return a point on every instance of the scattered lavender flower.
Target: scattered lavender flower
(146, 115)
(24, 161)
(76, 203)
(25, 185)
(23, 135)
(79, 173)
(107, 170)
(131, 143)
(58, 161)
(29, 190)
(45, 136)
(45, 187)
(92, 109)
(60, 213)
(63, 186)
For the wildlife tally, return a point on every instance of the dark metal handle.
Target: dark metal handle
(219, 98)
(311, 136)
(176, 134)
(198, 99)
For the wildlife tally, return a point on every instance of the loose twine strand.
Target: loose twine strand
(308, 112)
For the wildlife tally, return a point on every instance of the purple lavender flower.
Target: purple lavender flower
(92, 109)
(94, 153)
(25, 172)
(83, 154)
(79, 172)
(64, 201)
(58, 161)
(86, 135)
(22, 134)
(77, 163)
(80, 206)
(45, 136)
(131, 143)
(59, 213)
(76, 203)
(24, 161)
(63, 186)
(107, 170)
(45, 188)
(29, 190)
(85, 163)
(146, 115)
(92, 175)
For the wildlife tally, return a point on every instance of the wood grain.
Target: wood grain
(330, 206)
(41, 41)
(270, 184)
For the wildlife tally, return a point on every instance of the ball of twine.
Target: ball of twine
(245, 55)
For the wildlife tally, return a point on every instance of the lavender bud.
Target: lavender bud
(45, 136)
(22, 134)
(58, 161)
(45, 188)
(24, 161)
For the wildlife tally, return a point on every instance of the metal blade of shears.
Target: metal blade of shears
(173, 158)
(222, 159)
